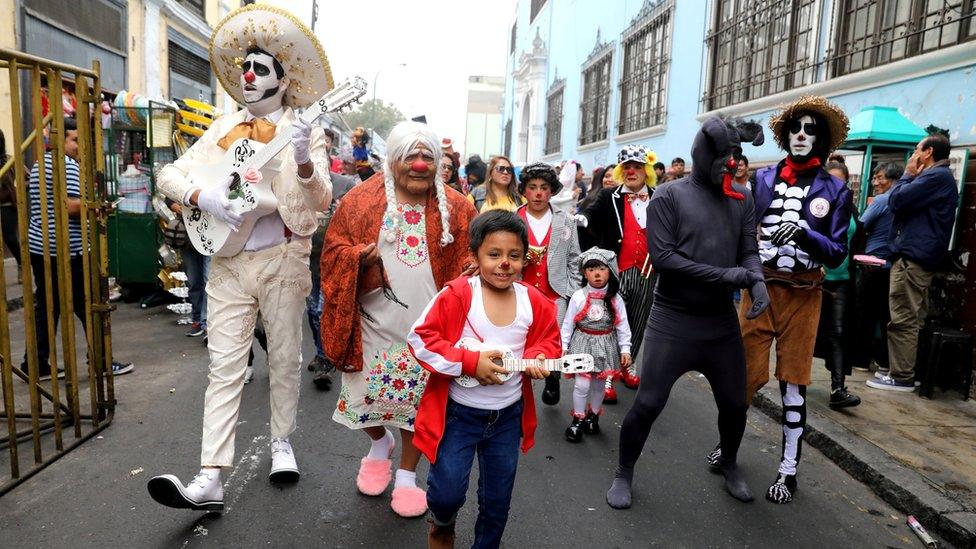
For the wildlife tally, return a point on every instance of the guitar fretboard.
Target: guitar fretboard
(520, 364)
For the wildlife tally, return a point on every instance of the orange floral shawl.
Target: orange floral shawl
(355, 225)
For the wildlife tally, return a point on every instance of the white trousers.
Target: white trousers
(275, 281)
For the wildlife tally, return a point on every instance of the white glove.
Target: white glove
(300, 141)
(214, 200)
(582, 220)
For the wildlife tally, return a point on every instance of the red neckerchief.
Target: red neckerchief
(595, 294)
(727, 189)
(791, 169)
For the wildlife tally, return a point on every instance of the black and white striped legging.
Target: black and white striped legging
(637, 292)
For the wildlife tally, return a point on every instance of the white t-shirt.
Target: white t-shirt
(511, 337)
(539, 226)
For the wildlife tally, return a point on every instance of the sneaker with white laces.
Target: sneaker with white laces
(203, 493)
(248, 374)
(888, 383)
(283, 465)
(881, 374)
(121, 368)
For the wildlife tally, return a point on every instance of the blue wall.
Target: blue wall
(569, 27)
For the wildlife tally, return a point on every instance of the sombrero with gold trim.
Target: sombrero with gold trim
(834, 115)
(279, 33)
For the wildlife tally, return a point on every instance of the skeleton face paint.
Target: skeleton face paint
(802, 136)
(259, 81)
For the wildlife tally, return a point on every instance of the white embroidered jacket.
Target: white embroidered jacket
(298, 200)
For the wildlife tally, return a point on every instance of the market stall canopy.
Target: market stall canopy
(880, 125)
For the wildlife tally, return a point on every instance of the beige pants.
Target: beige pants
(908, 301)
(275, 281)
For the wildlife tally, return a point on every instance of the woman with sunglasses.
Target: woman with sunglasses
(448, 170)
(500, 191)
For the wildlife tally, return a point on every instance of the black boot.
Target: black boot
(842, 398)
(591, 424)
(574, 433)
(550, 395)
(783, 490)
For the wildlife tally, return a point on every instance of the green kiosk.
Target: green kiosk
(885, 136)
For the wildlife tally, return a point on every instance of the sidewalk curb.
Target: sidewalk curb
(901, 487)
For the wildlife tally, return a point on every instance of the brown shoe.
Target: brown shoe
(440, 537)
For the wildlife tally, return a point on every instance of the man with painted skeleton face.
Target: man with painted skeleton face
(701, 237)
(803, 214)
(270, 74)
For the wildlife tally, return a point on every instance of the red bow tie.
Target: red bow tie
(638, 196)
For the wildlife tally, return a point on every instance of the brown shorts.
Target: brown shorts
(791, 319)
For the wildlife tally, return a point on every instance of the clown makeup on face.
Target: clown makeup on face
(537, 193)
(634, 175)
(414, 175)
(263, 83)
(597, 275)
(802, 136)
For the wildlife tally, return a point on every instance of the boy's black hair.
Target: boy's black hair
(677, 160)
(70, 124)
(279, 70)
(613, 286)
(495, 221)
(660, 166)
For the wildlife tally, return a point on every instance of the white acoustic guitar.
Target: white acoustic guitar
(211, 236)
(569, 364)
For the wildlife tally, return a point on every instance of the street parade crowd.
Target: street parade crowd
(439, 292)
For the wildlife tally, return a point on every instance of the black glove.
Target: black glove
(740, 277)
(760, 300)
(788, 231)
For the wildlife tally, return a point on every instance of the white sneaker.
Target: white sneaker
(283, 465)
(203, 493)
(248, 374)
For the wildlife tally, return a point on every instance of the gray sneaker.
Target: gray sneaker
(888, 383)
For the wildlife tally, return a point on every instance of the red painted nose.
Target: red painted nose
(419, 166)
(249, 77)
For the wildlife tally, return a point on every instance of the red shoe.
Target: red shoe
(610, 395)
(630, 380)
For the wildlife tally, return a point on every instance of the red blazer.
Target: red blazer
(432, 343)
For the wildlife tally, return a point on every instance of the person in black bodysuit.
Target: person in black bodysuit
(701, 234)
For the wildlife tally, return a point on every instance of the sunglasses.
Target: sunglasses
(808, 128)
(505, 169)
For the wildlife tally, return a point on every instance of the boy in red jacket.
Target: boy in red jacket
(495, 315)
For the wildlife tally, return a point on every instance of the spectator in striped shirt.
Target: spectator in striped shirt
(37, 234)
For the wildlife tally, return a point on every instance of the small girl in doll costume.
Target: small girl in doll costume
(595, 324)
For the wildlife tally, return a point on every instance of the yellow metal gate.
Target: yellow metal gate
(45, 419)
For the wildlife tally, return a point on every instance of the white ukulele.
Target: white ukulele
(569, 364)
(211, 236)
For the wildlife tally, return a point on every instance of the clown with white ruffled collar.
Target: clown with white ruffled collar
(270, 63)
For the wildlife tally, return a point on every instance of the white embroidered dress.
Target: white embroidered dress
(387, 391)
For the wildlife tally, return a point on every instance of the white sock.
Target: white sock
(380, 449)
(405, 478)
(211, 472)
(581, 389)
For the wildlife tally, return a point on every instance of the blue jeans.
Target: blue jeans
(494, 435)
(197, 269)
(313, 309)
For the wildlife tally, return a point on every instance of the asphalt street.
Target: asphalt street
(96, 495)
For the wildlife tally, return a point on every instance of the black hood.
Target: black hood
(715, 142)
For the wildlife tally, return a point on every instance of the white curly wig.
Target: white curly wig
(403, 138)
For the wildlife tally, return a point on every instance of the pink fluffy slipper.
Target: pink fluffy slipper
(374, 476)
(409, 501)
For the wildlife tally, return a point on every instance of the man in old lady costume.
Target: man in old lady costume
(394, 242)
(270, 63)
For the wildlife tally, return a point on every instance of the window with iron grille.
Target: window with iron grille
(758, 48)
(196, 6)
(554, 117)
(875, 32)
(507, 147)
(644, 84)
(511, 45)
(535, 8)
(595, 100)
(184, 63)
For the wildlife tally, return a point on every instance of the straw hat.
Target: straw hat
(836, 119)
(279, 33)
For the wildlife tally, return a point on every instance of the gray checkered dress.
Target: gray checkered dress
(604, 348)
